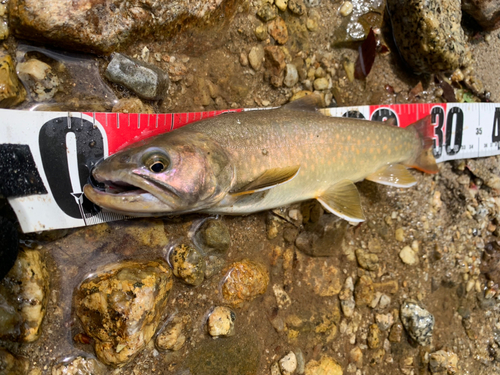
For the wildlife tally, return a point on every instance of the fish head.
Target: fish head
(173, 173)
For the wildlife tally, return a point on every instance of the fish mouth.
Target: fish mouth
(134, 195)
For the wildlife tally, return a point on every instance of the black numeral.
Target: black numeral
(454, 116)
(437, 113)
(495, 135)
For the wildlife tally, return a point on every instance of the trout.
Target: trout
(241, 163)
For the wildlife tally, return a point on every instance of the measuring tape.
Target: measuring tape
(64, 147)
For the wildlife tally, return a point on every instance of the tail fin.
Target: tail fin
(425, 161)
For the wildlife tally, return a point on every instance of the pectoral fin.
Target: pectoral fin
(342, 199)
(393, 175)
(269, 179)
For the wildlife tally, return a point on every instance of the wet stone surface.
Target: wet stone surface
(188, 264)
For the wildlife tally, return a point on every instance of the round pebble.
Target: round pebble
(256, 56)
(221, 322)
(281, 4)
(400, 235)
(320, 84)
(408, 256)
(297, 6)
(288, 364)
(261, 32)
(188, 264)
(346, 8)
(291, 75)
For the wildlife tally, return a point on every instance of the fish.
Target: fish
(245, 162)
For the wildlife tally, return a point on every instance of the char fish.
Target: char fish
(240, 163)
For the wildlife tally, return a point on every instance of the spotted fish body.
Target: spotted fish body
(266, 159)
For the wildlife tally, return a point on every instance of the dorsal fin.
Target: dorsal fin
(269, 179)
(393, 175)
(309, 103)
(342, 199)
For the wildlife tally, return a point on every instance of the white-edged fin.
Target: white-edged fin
(393, 175)
(342, 199)
(269, 179)
(309, 103)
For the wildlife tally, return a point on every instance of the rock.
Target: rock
(408, 256)
(326, 365)
(188, 264)
(244, 281)
(429, 35)
(261, 32)
(277, 29)
(291, 75)
(282, 298)
(297, 7)
(399, 235)
(267, 12)
(243, 59)
(221, 322)
(373, 338)
(132, 105)
(281, 4)
(110, 25)
(321, 84)
(396, 333)
(364, 291)
(312, 24)
(147, 81)
(384, 321)
(23, 298)
(487, 170)
(485, 12)
(356, 356)
(346, 9)
(273, 225)
(79, 366)
(290, 234)
(367, 260)
(312, 3)
(385, 301)
(12, 92)
(11, 364)
(301, 364)
(275, 64)
(288, 364)
(490, 262)
(418, 322)
(443, 360)
(232, 355)
(295, 214)
(4, 27)
(256, 56)
(214, 236)
(312, 210)
(325, 279)
(40, 79)
(171, 336)
(121, 306)
(322, 238)
(346, 297)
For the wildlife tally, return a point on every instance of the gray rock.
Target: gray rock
(147, 81)
(256, 56)
(213, 236)
(291, 75)
(418, 322)
(429, 35)
(485, 12)
(323, 238)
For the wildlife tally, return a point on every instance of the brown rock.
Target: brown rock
(12, 92)
(396, 332)
(485, 12)
(490, 264)
(373, 338)
(277, 29)
(364, 291)
(275, 65)
(107, 25)
(323, 237)
(12, 365)
(244, 281)
(121, 306)
(325, 279)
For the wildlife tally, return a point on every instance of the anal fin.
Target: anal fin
(393, 175)
(269, 179)
(342, 199)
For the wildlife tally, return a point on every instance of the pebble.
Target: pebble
(79, 366)
(325, 279)
(399, 235)
(288, 364)
(384, 321)
(147, 81)
(297, 6)
(275, 369)
(273, 225)
(282, 298)
(290, 233)
(40, 79)
(243, 59)
(244, 281)
(301, 363)
(312, 3)
(408, 256)
(324, 236)
(278, 30)
(346, 9)
(396, 333)
(214, 236)
(326, 365)
(364, 291)
(275, 64)
(221, 321)
(373, 338)
(346, 297)
(291, 76)
(312, 24)
(12, 92)
(367, 260)
(418, 322)
(132, 105)
(356, 356)
(121, 307)
(281, 4)
(4, 28)
(13, 365)
(443, 360)
(171, 337)
(321, 84)
(261, 32)
(188, 264)
(267, 12)
(255, 57)
(294, 214)
(385, 301)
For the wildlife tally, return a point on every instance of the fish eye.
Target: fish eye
(157, 163)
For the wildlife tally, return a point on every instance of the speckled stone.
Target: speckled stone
(188, 264)
(443, 360)
(418, 322)
(221, 321)
(429, 35)
(278, 30)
